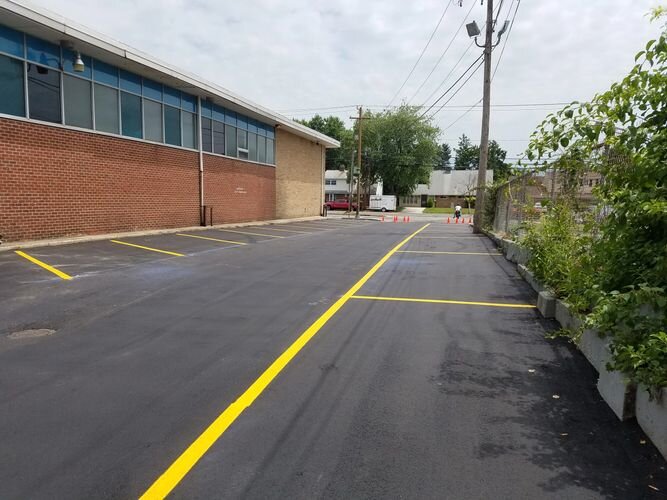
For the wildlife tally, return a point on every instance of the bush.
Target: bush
(430, 203)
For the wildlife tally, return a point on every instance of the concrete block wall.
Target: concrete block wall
(299, 176)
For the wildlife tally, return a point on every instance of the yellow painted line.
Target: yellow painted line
(270, 228)
(446, 237)
(442, 301)
(449, 253)
(148, 248)
(44, 265)
(187, 460)
(248, 232)
(211, 239)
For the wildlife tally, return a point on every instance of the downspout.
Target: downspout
(202, 215)
(324, 156)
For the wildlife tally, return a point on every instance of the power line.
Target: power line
(481, 63)
(422, 53)
(502, 51)
(472, 5)
(442, 83)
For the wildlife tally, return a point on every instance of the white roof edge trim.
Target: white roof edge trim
(103, 42)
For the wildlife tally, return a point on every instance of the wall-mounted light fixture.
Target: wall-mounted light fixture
(77, 64)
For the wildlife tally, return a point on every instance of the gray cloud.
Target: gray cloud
(314, 54)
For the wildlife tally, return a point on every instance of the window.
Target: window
(188, 102)
(189, 129)
(12, 99)
(68, 64)
(106, 109)
(130, 111)
(269, 151)
(218, 137)
(44, 93)
(43, 52)
(330, 182)
(242, 143)
(78, 102)
(230, 141)
(105, 73)
(206, 137)
(152, 90)
(261, 149)
(252, 146)
(152, 121)
(130, 82)
(11, 42)
(172, 97)
(172, 126)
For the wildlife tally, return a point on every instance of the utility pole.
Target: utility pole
(360, 119)
(473, 31)
(486, 116)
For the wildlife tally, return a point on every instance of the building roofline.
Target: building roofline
(38, 17)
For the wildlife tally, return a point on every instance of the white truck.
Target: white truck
(383, 203)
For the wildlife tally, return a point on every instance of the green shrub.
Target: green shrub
(430, 203)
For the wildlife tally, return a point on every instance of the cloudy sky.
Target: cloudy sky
(300, 57)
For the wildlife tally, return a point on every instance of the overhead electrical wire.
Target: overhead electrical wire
(480, 59)
(435, 66)
(422, 53)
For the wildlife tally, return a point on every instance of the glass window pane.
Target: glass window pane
(188, 102)
(68, 64)
(78, 102)
(11, 42)
(269, 152)
(172, 126)
(105, 73)
(12, 99)
(218, 113)
(206, 109)
(106, 109)
(230, 141)
(130, 111)
(172, 96)
(230, 117)
(189, 130)
(242, 136)
(44, 93)
(260, 129)
(218, 137)
(152, 121)
(241, 122)
(153, 90)
(261, 149)
(206, 138)
(43, 52)
(130, 82)
(270, 132)
(252, 126)
(252, 146)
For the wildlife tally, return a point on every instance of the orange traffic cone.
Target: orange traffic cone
(469, 220)
(408, 218)
(382, 218)
(456, 220)
(448, 220)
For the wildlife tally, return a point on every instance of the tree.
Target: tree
(467, 154)
(334, 127)
(497, 155)
(401, 149)
(445, 157)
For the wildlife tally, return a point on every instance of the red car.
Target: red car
(341, 204)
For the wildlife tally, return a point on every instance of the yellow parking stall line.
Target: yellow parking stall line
(449, 253)
(447, 237)
(175, 254)
(211, 239)
(44, 265)
(250, 233)
(175, 473)
(270, 228)
(443, 301)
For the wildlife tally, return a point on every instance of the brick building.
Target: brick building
(97, 137)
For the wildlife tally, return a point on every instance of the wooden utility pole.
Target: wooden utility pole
(360, 120)
(486, 115)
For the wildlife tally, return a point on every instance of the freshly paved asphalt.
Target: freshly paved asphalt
(388, 400)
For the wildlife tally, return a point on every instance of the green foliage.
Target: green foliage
(467, 154)
(337, 158)
(620, 134)
(496, 162)
(490, 202)
(445, 157)
(560, 257)
(401, 149)
(637, 318)
(430, 203)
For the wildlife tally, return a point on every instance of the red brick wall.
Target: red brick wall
(239, 191)
(60, 182)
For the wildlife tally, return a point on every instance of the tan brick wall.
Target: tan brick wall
(299, 176)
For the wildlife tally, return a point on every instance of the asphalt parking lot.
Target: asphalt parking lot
(321, 359)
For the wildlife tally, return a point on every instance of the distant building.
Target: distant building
(335, 185)
(448, 188)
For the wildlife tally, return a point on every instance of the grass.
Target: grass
(436, 210)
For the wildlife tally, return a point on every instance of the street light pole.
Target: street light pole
(360, 121)
(486, 116)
